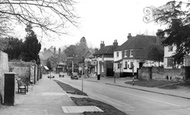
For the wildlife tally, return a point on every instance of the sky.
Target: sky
(107, 20)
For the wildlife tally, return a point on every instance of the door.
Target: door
(9, 89)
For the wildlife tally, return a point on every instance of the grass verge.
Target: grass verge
(69, 89)
(108, 109)
(161, 84)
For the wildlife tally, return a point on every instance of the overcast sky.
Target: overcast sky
(107, 20)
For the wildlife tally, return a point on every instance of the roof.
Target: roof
(122, 47)
(106, 50)
(137, 42)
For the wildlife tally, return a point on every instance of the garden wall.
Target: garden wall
(24, 70)
(157, 73)
(3, 68)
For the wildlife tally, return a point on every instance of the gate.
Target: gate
(187, 72)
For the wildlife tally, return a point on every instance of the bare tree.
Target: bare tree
(49, 15)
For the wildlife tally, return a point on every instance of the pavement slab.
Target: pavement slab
(80, 109)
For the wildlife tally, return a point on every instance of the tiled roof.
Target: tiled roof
(141, 41)
(137, 42)
(105, 50)
(122, 47)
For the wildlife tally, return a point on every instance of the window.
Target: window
(126, 65)
(131, 53)
(170, 62)
(117, 54)
(170, 48)
(125, 53)
(118, 65)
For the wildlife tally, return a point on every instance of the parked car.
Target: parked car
(61, 74)
(74, 75)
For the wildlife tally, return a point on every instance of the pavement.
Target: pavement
(120, 82)
(47, 98)
(44, 98)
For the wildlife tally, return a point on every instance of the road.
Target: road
(131, 101)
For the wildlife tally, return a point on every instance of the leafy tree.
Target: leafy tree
(13, 48)
(70, 51)
(48, 64)
(31, 47)
(49, 15)
(155, 52)
(81, 47)
(177, 17)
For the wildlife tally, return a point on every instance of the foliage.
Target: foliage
(49, 15)
(14, 48)
(177, 17)
(77, 50)
(155, 52)
(31, 47)
(70, 51)
(48, 64)
(3, 43)
(81, 47)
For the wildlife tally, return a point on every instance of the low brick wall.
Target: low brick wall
(157, 73)
(3, 68)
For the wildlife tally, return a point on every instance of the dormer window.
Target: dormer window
(131, 53)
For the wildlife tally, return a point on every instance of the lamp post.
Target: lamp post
(82, 71)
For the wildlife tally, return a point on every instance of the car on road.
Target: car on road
(74, 75)
(61, 74)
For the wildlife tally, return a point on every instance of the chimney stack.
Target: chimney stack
(129, 36)
(96, 49)
(115, 44)
(45, 49)
(102, 44)
(54, 50)
(59, 51)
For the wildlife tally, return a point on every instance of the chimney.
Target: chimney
(54, 51)
(96, 49)
(129, 36)
(102, 44)
(115, 44)
(59, 51)
(45, 49)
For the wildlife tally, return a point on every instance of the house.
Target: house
(132, 54)
(104, 59)
(56, 58)
(169, 51)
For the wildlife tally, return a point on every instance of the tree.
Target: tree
(31, 47)
(81, 47)
(3, 43)
(14, 48)
(70, 51)
(177, 17)
(49, 15)
(155, 52)
(48, 64)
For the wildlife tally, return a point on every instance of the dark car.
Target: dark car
(61, 74)
(74, 75)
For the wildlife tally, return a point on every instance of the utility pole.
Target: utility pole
(82, 73)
